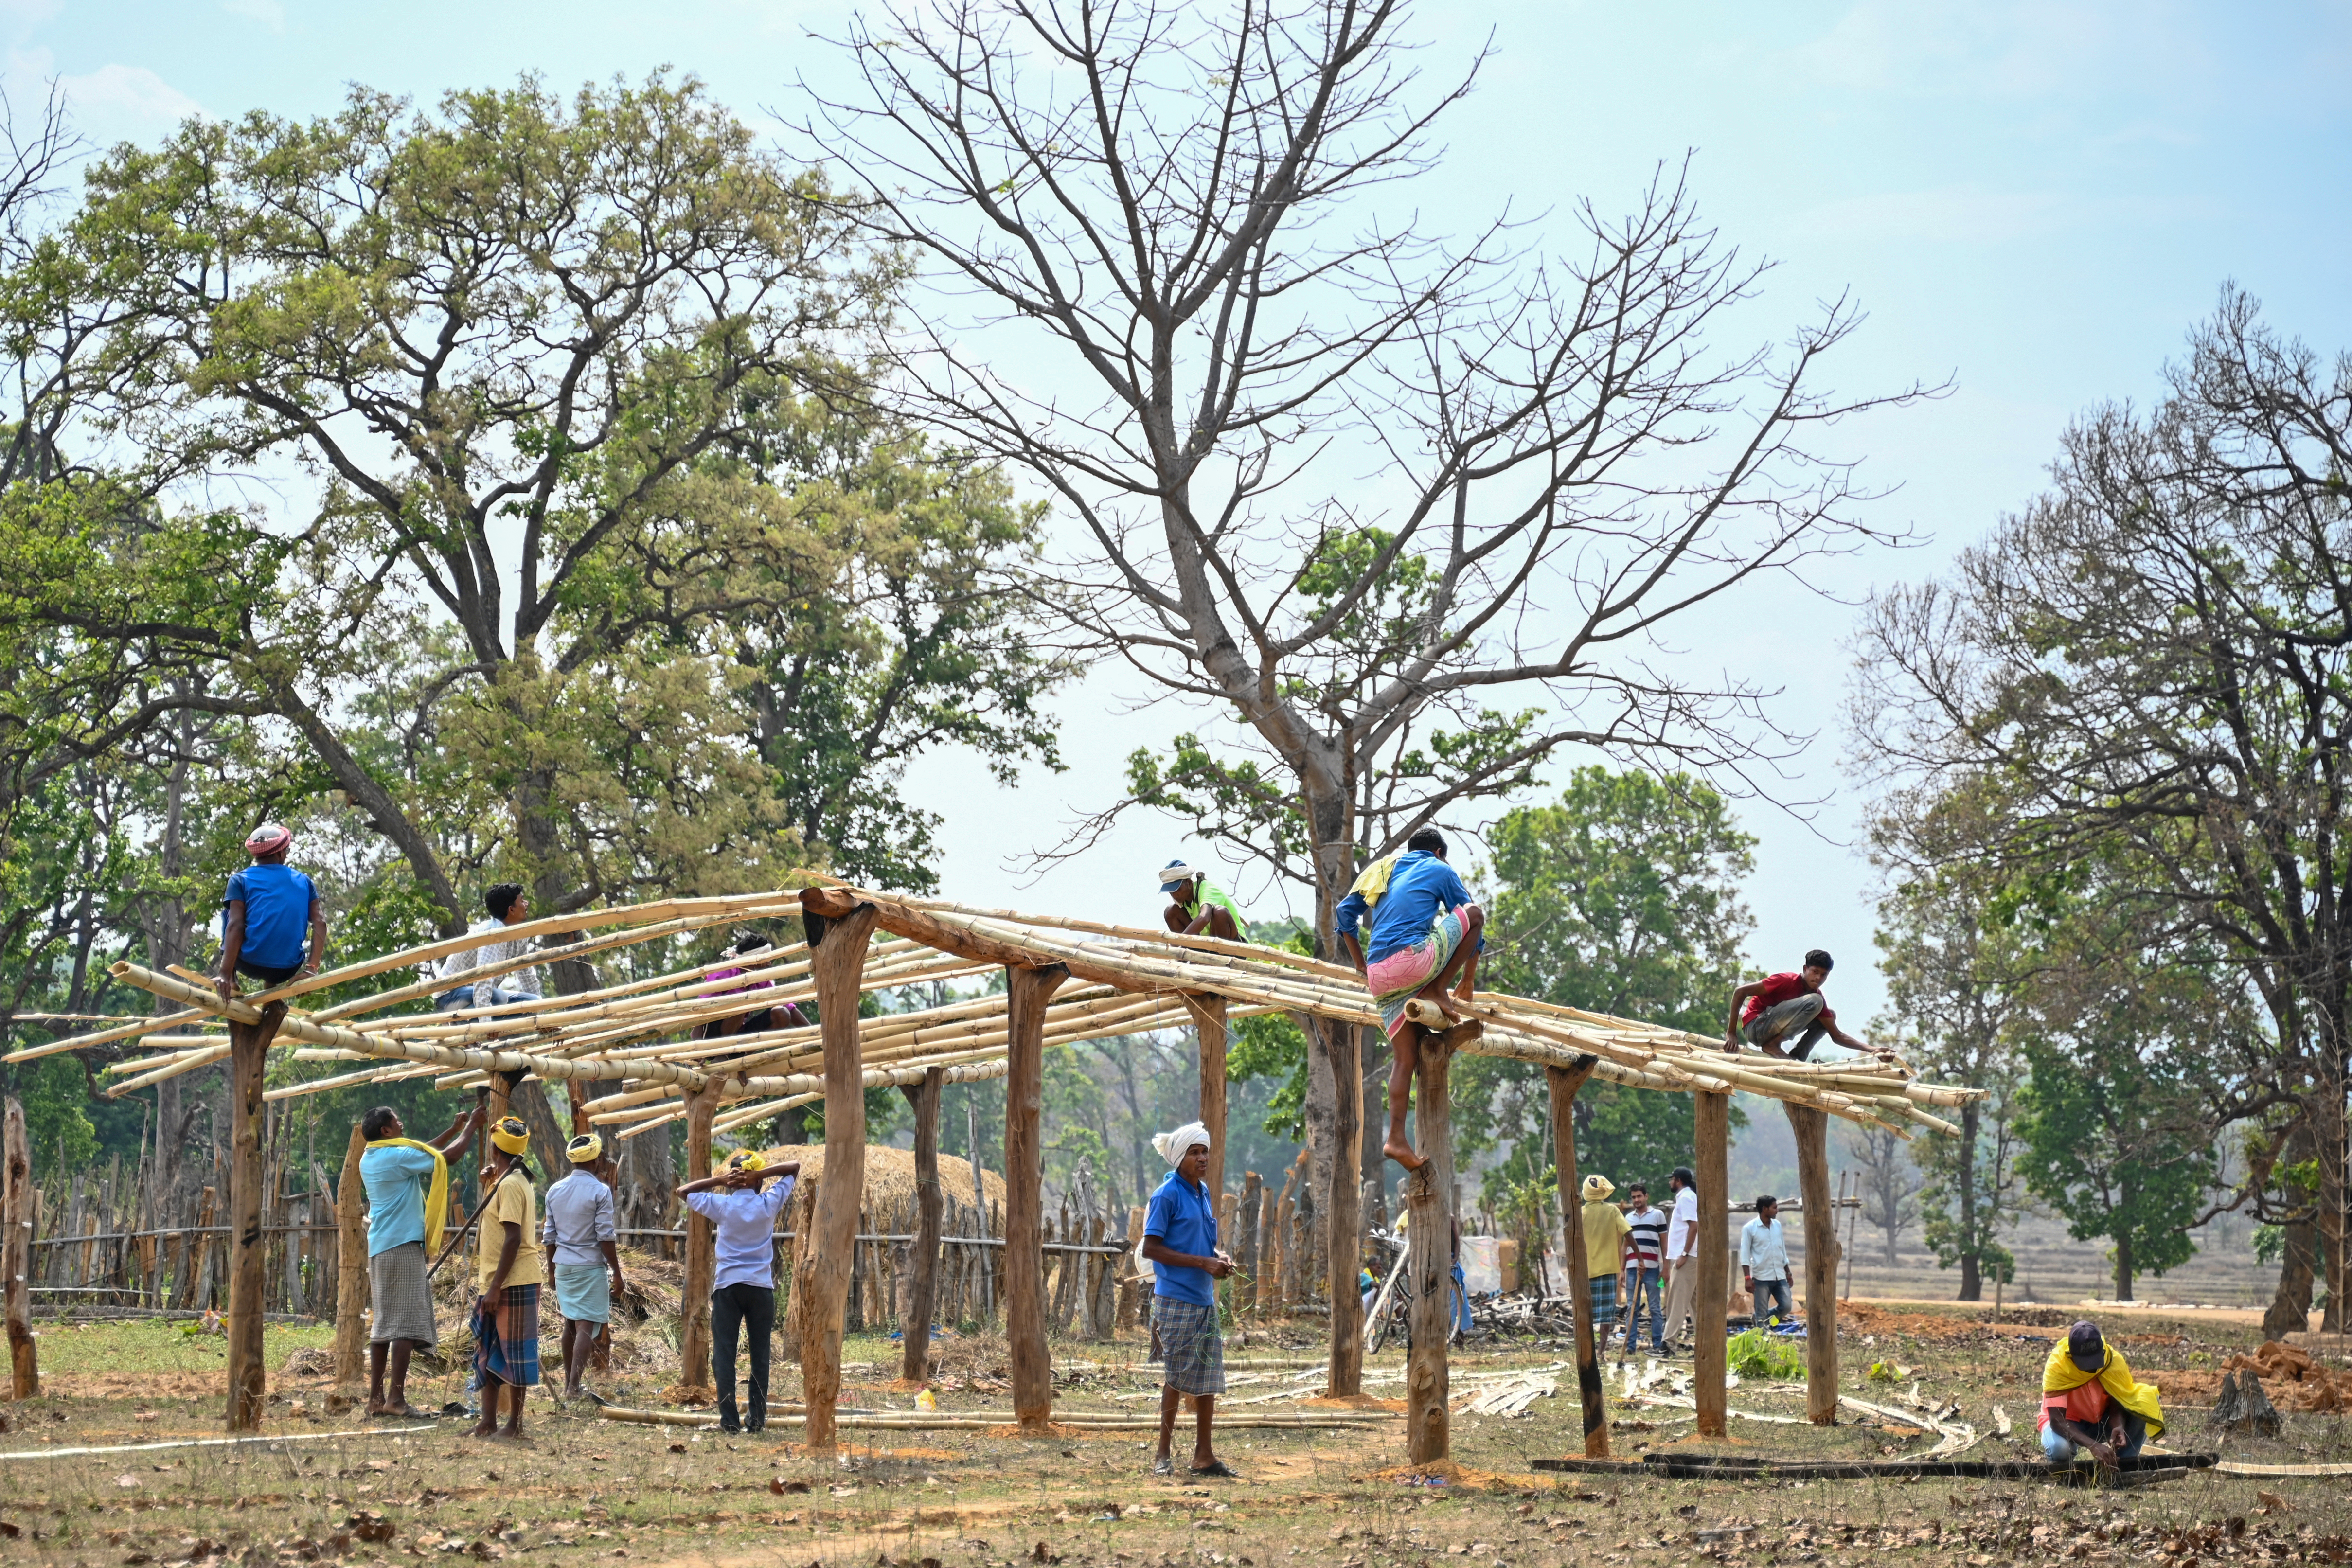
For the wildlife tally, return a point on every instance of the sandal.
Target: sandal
(1163, 1466)
(1217, 1467)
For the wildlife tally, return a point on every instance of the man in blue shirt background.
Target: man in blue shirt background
(269, 910)
(743, 1290)
(1426, 934)
(1180, 1242)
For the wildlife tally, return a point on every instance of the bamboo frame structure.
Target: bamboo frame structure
(1067, 980)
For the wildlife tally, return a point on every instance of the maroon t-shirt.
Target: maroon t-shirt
(1776, 989)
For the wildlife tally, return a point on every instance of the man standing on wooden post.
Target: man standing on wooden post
(1179, 1241)
(1426, 934)
(408, 1185)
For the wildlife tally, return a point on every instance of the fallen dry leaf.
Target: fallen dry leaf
(2271, 1502)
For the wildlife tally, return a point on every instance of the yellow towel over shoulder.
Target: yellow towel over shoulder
(2060, 1374)
(437, 1196)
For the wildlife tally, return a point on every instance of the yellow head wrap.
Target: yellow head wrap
(511, 1135)
(1598, 1187)
(2060, 1374)
(584, 1149)
(747, 1160)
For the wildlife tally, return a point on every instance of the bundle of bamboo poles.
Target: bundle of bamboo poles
(653, 1035)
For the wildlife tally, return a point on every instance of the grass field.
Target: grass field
(589, 1488)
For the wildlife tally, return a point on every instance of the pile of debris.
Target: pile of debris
(2290, 1378)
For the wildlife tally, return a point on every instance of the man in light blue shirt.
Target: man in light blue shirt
(1764, 1261)
(583, 1254)
(400, 1173)
(743, 1292)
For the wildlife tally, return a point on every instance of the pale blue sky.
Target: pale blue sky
(2035, 199)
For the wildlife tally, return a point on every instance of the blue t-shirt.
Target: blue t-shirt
(277, 900)
(1184, 1219)
(396, 1180)
(1421, 887)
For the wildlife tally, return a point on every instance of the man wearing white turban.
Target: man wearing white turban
(1180, 1242)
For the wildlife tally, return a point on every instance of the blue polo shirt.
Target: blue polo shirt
(1421, 887)
(1183, 1218)
(277, 899)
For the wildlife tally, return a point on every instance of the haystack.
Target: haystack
(890, 1177)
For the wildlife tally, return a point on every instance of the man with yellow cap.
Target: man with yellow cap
(743, 1288)
(580, 1236)
(506, 1313)
(1605, 1229)
(407, 1183)
(2091, 1402)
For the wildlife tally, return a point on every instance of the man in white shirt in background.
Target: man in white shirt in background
(1682, 1254)
(1764, 1263)
(508, 905)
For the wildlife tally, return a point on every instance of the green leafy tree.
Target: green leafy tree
(1621, 896)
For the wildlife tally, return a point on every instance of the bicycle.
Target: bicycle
(1391, 1310)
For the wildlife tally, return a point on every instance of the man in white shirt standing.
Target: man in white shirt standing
(581, 1241)
(508, 905)
(1764, 1263)
(1682, 1254)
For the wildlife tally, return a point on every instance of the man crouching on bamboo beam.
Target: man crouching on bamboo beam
(1425, 935)
(1180, 1242)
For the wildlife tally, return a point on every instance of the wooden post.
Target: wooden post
(1343, 1249)
(1564, 1082)
(1429, 1200)
(16, 1255)
(839, 947)
(1209, 1016)
(1811, 1127)
(701, 1255)
(248, 1378)
(1027, 992)
(351, 1264)
(1713, 1115)
(914, 1360)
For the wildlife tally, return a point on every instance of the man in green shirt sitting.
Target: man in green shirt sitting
(1196, 906)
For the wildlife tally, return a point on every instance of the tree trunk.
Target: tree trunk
(2328, 1134)
(839, 952)
(1811, 1128)
(1027, 992)
(1708, 1362)
(1343, 1217)
(1429, 1199)
(914, 1361)
(352, 1271)
(2124, 1270)
(1971, 1272)
(2290, 1307)
(1563, 1083)
(248, 1377)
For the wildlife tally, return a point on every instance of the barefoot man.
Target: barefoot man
(1426, 934)
(407, 1185)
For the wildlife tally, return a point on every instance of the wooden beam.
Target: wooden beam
(694, 1373)
(1563, 1083)
(1028, 991)
(914, 1360)
(1813, 1129)
(1209, 1016)
(1343, 1214)
(352, 1271)
(839, 946)
(1713, 1115)
(249, 1249)
(1429, 1199)
(16, 1256)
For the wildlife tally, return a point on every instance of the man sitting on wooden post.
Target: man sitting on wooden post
(407, 1187)
(582, 1246)
(1180, 1242)
(1426, 934)
(268, 912)
(1196, 906)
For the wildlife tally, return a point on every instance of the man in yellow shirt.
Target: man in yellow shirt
(1605, 1229)
(506, 1313)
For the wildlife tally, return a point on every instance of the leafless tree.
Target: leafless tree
(1413, 514)
(1890, 1185)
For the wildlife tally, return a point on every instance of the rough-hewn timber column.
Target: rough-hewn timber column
(1429, 1199)
(701, 1254)
(1027, 992)
(1813, 1129)
(248, 1378)
(1209, 1015)
(1714, 1129)
(16, 1256)
(914, 1361)
(1343, 1213)
(352, 1272)
(839, 946)
(1563, 1083)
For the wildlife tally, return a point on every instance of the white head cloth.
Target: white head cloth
(1173, 1146)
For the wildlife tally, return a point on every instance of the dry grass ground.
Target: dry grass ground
(593, 1490)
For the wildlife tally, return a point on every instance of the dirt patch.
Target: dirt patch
(2291, 1379)
(1356, 1402)
(1939, 1328)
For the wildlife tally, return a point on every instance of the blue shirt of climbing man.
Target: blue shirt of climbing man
(1184, 1219)
(277, 899)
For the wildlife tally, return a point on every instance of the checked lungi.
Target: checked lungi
(1601, 1291)
(1192, 1356)
(1399, 976)
(506, 1336)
